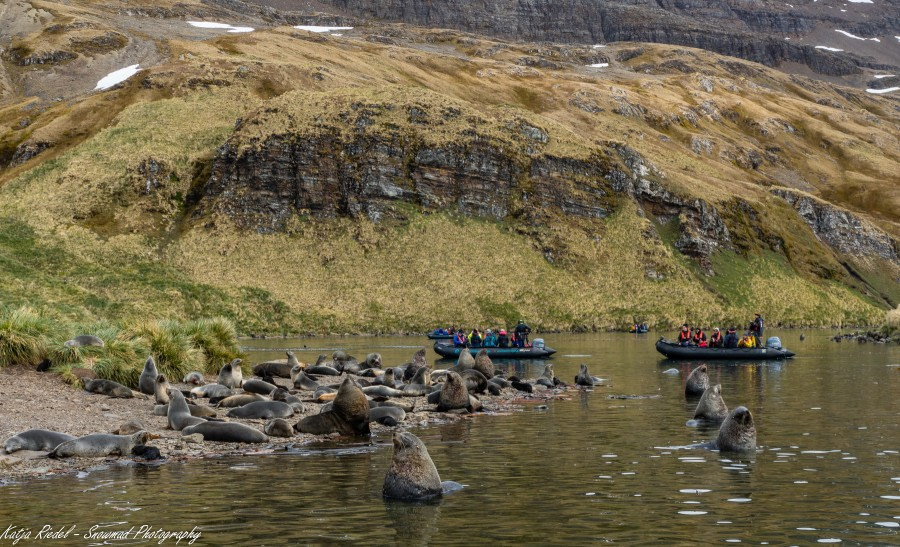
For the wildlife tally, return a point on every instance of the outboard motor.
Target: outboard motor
(773, 342)
(538, 343)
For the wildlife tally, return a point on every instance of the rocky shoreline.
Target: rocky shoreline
(30, 400)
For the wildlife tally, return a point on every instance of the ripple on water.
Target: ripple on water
(889, 524)
(740, 500)
(685, 512)
(891, 497)
(694, 490)
(829, 540)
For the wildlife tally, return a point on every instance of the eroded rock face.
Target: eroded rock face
(841, 229)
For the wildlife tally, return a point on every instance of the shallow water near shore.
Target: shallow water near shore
(588, 469)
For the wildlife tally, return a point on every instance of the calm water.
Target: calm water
(587, 470)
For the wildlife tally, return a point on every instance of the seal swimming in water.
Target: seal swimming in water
(697, 382)
(195, 378)
(179, 415)
(147, 381)
(583, 378)
(738, 433)
(84, 340)
(100, 444)
(161, 390)
(231, 375)
(262, 410)
(349, 414)
(259, 386)
(278, 428)
(108, 388)
(35, 439)
(711, 406)
(227, 432)
(412, 475)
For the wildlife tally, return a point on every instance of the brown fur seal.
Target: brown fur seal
(465, 361)
(697, 382)
(211, 390)
(99, 445)
(737, 433)
(194, 377)
(129, 428)
(302, 381)
(349, 414)
(373, 360)
(284, 396)
(147, 381)
(231, 375)
(454, 394)
(584, 378)
(412, 475)
(179, 415)
(547, 378)
(410, 369)
(387, 415)
(711, 406)
(161, 390)
(280, 367)
(475, 381)
(235, 401)
(278, 428)
(196, 411)
(259, 386)
(35, 439)
(84, 340)
(483, 364)
(226, 432)
(262, 410)
(386, 379)
(108, 388)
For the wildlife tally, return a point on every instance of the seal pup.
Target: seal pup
(483, 364)
(227, 432)
(129, 428)
(349, 414)
(547, 377)
(282, 395)
(737, 433)
(211, 390)
(278, 428)
(179, 415)
(145, 452)
(697, 382)
(387, 415)
(161, 390)
(259, 386)
(35, 439)
(384, 391)
(147, 381)
(420, 383)
(711, 406)
(386, 379)
(412, 475)
(583, 378)
(262, 410)
(453, 394)
(230, 375)
(521, 386)
(108, 388)
(302, 381)
(234, 401)
(410, 369)
(194, 377)
(84, 340)
(100, 444)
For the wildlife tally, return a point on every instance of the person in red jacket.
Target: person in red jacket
(716, 340)
(699, 336)
(684, 337)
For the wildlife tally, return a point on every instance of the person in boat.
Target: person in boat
(474, 339)
(748, 341)
(452, 329)
(731, 338)
(716, 340)
(756, 329)
(522, 332)
(502, 339)
(699, 337)
(684, 337)
(459, 339)
(490, 339)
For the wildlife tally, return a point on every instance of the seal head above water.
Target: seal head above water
(412, 475)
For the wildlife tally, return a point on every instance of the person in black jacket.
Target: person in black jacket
(502, 339)
(522, 332)
(756, 329)
(731, 338)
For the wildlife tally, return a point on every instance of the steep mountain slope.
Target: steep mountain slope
(391, 177)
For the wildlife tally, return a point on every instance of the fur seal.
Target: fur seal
(226, 432)
(341, 356)
(302, 381)
(386, 379)
(145, 452)
(259, 386)
(483, 364)
(210, 391)
(282, 395)
(407, 405)
(381, 413)
(584, 378)
(161, 390)
(453, 393)
(475, 381)
(147, 381)
(547, 378)
(281, 368)
(100, 444)
(199, 411)
(194, 377)
(36, 439)
(522, 386)
(349, 414)
(711, 406)
(383, 391)
(84, 340)
(412, 475)
(410, 369)
(697, 382)
(465, 361)
(278, 428)
(737, 433)
(108, 388)
(373, 360)
(262, 410)
(128, 428)
(231, 375)
(323, 370)
(234, 401)
(179, 415)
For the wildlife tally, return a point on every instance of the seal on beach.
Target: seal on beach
(386, 379)
(410, 369)
(383, 391)
(412, 475)
(108, 388)
(145, 452)
(230, 375)
(147, 381)
(373, 360)
(129, 428)
(349, 414)
(302, 381)
(475, 381)
(161, 390)
(278, 428)
(259, 386)
(234, 401)
(211, 390)
(284, 396)
(198, 411)
(281, 368)
(483, 364)
(100, 444)
(454, 394)
(262, 410)
(36, 439)
(548, 378)
(227, 432)
(84, 340)
(711, 406)
(387, 415)
(194, 377)
(697, 382)
(465, 361)
(584, 378)
(179, 415)
(737, 433)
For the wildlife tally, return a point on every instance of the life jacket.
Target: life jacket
(699, 336)
(684, 336)
(715, 338)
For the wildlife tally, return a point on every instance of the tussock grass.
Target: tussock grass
(216, 338)
(170, 346)
(892, 322)
(25, 336)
